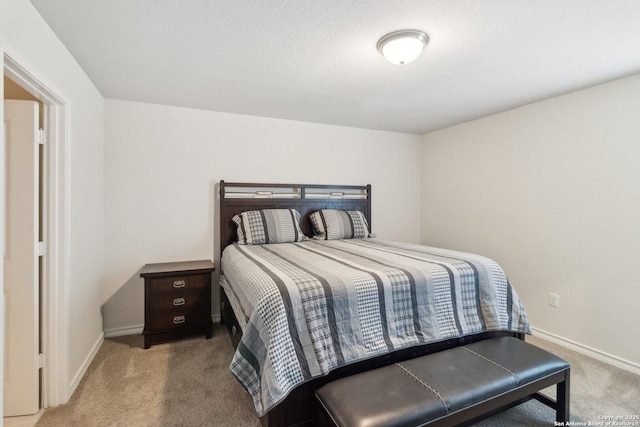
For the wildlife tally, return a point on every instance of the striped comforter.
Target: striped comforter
(306, 308)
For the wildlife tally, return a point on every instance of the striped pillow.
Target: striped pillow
(331, 224)
(269, 226)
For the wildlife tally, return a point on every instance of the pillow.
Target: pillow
(331, 224)
(269, 226)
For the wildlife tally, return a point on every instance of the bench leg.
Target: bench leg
(562, 399)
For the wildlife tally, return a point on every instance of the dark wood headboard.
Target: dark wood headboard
(239, 197)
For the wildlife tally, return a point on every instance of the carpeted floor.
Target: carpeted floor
(188, 383)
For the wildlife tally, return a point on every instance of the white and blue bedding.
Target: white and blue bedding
(307, 308)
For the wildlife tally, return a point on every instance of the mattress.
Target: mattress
(308, 308)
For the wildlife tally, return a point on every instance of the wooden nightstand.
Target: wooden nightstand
(177, 300)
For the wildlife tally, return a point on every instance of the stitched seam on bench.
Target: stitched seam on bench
(434, 391)
(495, 363)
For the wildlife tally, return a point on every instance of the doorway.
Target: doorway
(22, 180)
(54, 305)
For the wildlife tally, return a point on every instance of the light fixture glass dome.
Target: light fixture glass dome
(402, 47)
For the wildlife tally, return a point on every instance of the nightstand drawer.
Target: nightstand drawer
(178, 319)
(178, 301)
(162, 285)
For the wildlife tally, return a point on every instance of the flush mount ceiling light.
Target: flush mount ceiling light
(402, 47)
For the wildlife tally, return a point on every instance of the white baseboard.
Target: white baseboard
(588, 351)
(127, 330)
(85, 365)
(115, 332)
(137, 329)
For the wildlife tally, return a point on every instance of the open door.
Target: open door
(21, 259)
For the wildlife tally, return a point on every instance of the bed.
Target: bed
(303, 312)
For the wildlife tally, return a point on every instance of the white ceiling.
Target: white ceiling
(316, 60)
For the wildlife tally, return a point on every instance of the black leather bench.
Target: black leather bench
(458, 386)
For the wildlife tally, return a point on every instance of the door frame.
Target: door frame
(54, 301)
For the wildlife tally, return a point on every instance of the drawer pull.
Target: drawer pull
(178, 301)
(222, 305)
(178, 320)
(233, 330)
(179, 284)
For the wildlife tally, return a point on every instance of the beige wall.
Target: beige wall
(163, 164)
(13, 91)
(552, 192)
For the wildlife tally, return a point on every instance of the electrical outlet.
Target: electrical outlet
(554, 300)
